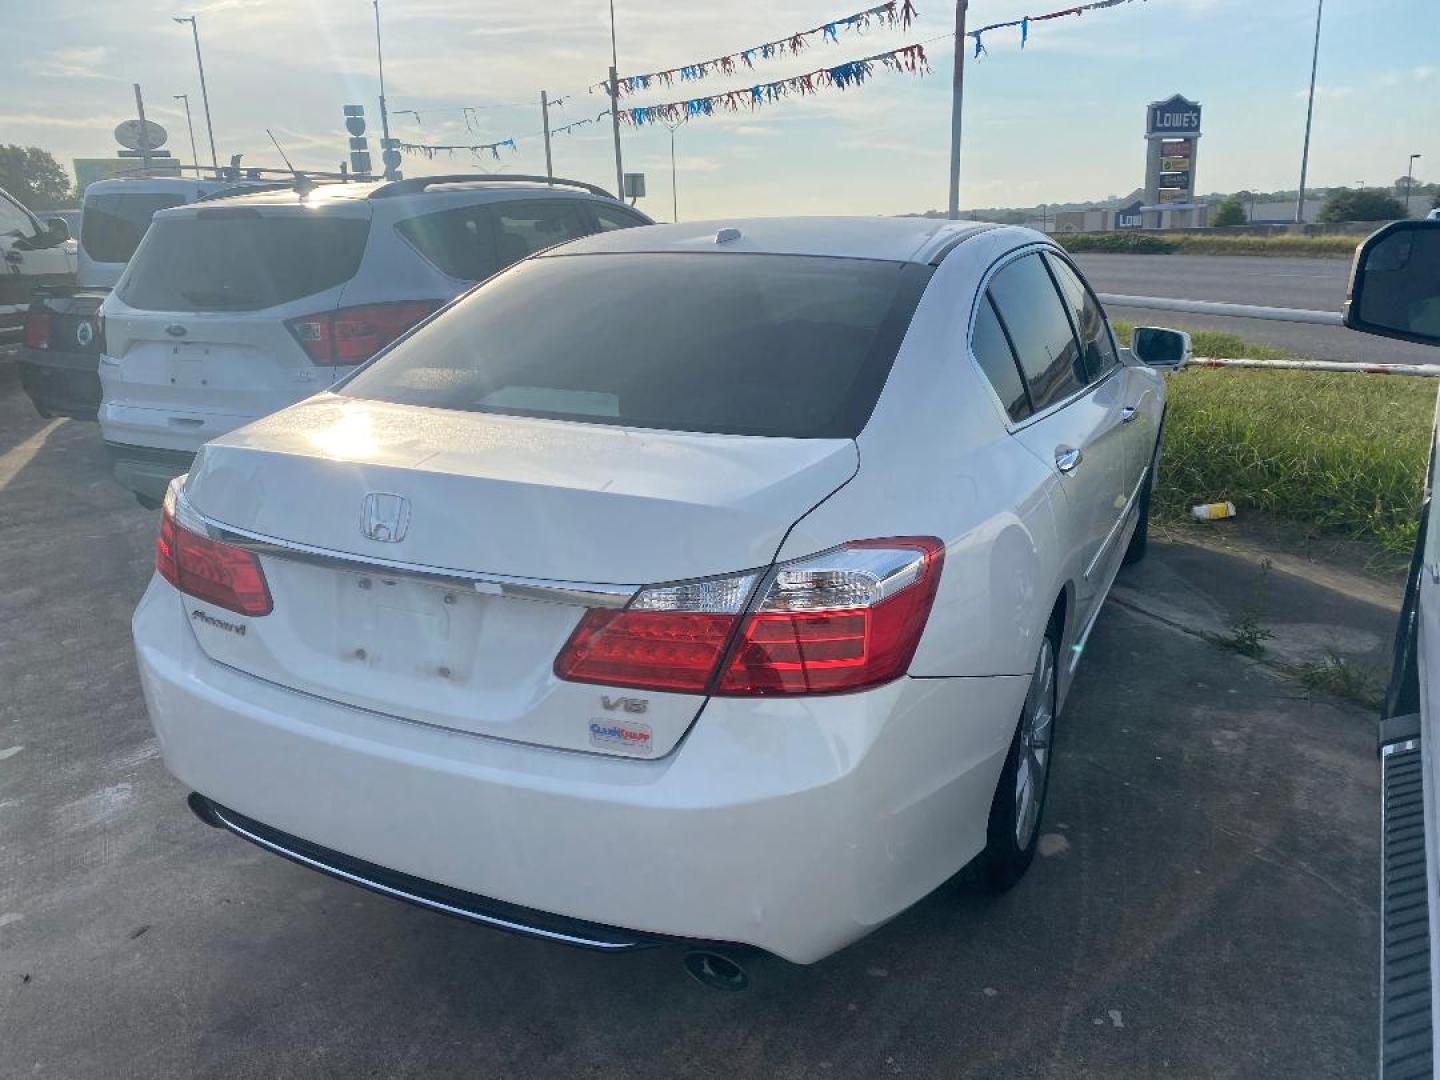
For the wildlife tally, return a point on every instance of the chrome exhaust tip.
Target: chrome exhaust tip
(717, 970)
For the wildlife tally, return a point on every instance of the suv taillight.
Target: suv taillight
(37, 329)
(352, 335)
(218, 573)
(843, 620)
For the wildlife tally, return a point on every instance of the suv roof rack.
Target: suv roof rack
(418, 184)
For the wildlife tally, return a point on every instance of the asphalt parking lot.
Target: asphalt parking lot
(1206, 903)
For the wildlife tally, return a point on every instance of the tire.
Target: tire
(1014, 828)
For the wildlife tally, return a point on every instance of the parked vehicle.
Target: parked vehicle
(1395, 292)
(237, 307)
(33, 253)
(60, 351)
(713, 583)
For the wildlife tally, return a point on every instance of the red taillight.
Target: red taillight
(218, 573)
(352, 335)
(843, 620)
(37, 329)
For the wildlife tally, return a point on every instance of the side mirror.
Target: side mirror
(1157, 347)
(1395, 283)
(56, 231)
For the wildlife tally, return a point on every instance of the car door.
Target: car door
(1140, 411)
(27, 259)
(1073, 421)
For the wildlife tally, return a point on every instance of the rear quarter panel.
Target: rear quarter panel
(936, 460)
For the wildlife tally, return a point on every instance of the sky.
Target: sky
(1061, 120)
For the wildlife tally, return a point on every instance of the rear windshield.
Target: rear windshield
(233, 259)
(112, 225)
(779, 345)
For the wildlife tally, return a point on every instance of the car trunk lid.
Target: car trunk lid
(417, 619)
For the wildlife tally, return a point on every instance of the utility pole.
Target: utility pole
(204, 94)
(545, 118)
(1409, 181)
(615, 107)
(384, 115)
(144, 146)
(674, 187)
(957, 99)
(1309, 116)
(194, 154)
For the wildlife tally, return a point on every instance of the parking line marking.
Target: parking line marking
(20, 455)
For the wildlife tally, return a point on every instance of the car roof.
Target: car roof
(351, 191)
(893, 239)
(150, 185)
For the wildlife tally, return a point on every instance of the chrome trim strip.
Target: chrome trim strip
(1400, 747)
(433, 905)
(582, 594)
(1119, 524)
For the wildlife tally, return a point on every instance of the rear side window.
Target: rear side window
(112, 225)
(736, 344)
(233, 259)
(473, 242)
(992, 350)
(1032, 312)
(1095, 341)
(611, 218)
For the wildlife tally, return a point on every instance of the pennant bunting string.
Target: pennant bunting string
(892, 14)
(909, 59)
(1024, 22)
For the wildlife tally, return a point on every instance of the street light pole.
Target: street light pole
(204, 93)
(1309, 116)
(615, 107)
(194, 154)
(957, 99)
(674, 189)
(384, 115)
(1409, 182)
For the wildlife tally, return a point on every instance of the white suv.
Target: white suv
(237, 306)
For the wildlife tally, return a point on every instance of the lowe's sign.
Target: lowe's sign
(1176, 116)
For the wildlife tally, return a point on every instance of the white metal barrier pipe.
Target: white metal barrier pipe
(1233, 311)
(1427, 370)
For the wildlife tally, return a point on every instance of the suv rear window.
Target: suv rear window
(112, 225)
(780, 345)
(473, 242)
(234, 259)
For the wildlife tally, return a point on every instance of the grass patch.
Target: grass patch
(1148, 243)
(1339, 677)
(1336, 451)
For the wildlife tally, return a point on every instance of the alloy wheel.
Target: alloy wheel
(1036, 726)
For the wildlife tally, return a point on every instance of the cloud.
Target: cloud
(84, 62)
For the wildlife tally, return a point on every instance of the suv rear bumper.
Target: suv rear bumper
(792, 826)
(61, 383)
(145, 470)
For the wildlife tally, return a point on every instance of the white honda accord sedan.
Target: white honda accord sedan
(715, 583)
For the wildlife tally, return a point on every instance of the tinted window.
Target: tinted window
(1099, 350)
(113, 224)
(233, 259)
(473, 242)
(612, 218)
(459, 242)
(1040, 330)
(523, 228)
(13, 220)
(742, 344)
(992, 349)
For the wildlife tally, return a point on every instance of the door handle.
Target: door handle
(1067, 458)
(1128, 413)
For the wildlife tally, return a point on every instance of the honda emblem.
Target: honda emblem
(385, 517)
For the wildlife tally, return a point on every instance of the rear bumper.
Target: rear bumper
(145, 470)
(61, 383)
(792, 826)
